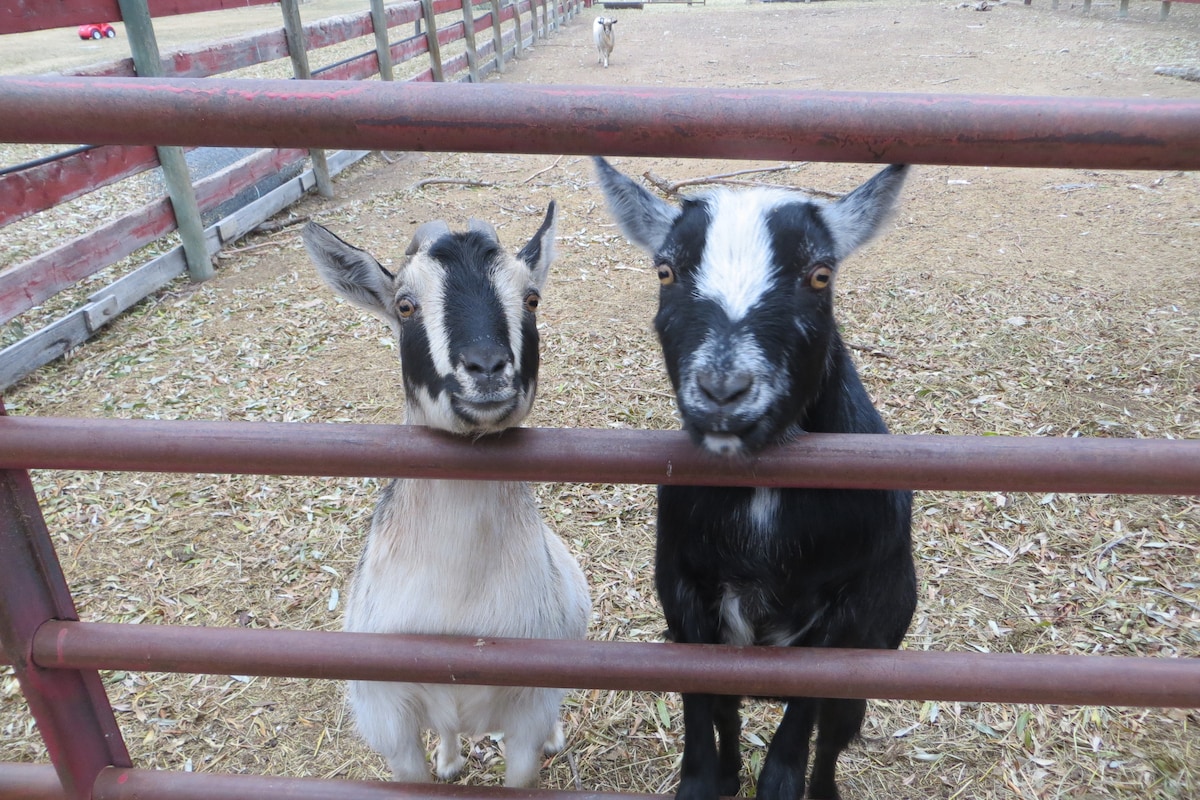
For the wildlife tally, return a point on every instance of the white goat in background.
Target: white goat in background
(602, 32)
(469, 558)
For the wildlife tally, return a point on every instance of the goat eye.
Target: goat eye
(405, 307)
(820, 277)
(531, 302)
(666, 275)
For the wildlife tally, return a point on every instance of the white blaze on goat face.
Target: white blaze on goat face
(738, 266)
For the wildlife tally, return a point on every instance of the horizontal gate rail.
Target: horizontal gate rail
(116, 783)
(572, 664)
(1075, 132)
(857, 461)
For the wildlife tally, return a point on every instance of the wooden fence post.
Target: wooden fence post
(148, 64)
(516, 6)
(435, 49)
(497, 39)
(293, 29)
(383, 47)
(468, 10)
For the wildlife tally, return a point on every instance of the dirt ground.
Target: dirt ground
(1006, 301)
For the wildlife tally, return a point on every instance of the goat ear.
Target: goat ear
(424, 234)
(858, 216)
(352, 273)
(484, 227)
(643, 218)
(539, 252)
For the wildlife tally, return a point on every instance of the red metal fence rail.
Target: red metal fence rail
(1080, 132)
(48, 647)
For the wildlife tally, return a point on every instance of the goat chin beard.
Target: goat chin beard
(724, 444)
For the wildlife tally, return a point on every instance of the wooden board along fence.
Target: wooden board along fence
(510, 26)
(1123, 9)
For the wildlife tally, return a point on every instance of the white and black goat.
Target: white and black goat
(471, 558)
(748, 334)
(606, 39)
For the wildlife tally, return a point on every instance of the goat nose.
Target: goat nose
(485, 360)
(724, 388)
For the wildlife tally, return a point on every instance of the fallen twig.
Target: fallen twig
(728, 179)
(1187, 73)
(542, 171)
(672, 188)
(271, 226)
(421, 184)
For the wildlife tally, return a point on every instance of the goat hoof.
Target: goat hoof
(556, 742)
(780, 784)
(696, 790)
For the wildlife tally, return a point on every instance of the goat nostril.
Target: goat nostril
(725, 388)
(484, 362)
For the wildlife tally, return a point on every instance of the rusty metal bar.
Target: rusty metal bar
(141, 784)
(29, 782)
(1080, 132)
(70, 707)
(858, 461)
(758, 671)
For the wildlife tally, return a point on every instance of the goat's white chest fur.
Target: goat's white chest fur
(469, 558)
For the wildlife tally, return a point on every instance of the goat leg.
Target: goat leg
(838, 722)
(729, 730)
(782, 776)
(699, 777)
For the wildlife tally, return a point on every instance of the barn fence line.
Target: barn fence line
(1164, 9)
(490, 32)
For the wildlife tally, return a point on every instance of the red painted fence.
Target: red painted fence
(44, 185)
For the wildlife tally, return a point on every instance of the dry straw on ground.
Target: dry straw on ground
(1026, 302)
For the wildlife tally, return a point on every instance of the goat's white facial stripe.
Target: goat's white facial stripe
(738, 262)
(422, 278)
(511, 284)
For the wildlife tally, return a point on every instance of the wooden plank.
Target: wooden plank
(513, 11)
(468, 23)
(497, 36)
(236, 178)
(58, 338)
(408, 49)
(62, 336)
(432, 39)
(22, 16)
(46, 185)
(298, 50)
(383, 49)
(227, 55)
(139, 30)
(34, 281)
(214, 58)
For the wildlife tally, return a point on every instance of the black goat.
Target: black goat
(747, 329)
